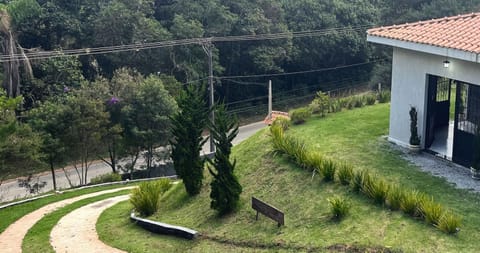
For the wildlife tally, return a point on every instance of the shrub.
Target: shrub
(431, 211)
(370, 99)
(283, 122)
(345, 173)
(410, 202)
(339, 207)
(145, 199)
(300, 115)
(328, 170)
(383, 96)
(377, 189)
(394, 197)
(449, 223)
(106, 178)
(320, 104)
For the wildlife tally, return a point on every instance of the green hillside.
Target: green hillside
(353, 136)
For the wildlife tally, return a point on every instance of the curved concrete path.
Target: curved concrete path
(11, 239)
(76, 231)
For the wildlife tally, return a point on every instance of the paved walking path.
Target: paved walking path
(11, 239)
(76, 232)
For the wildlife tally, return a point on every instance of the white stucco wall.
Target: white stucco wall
(409, 87)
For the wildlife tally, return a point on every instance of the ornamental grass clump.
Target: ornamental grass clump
(313, 160)
(339, 207)
(327, 170)
(449, 223)
(283, 122)
(370, 99)
(146, 198)
(383, 96)
(376, 189)
(394, 197)
(357, 180)
(345, 173)
(410, 202)
(430, 211)
(106, 178)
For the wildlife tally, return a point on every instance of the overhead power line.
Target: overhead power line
(35, 55)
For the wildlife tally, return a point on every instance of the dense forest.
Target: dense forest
(51, 107)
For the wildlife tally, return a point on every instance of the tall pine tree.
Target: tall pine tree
(225, 186)
(188, 125)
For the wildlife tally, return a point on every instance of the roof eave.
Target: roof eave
(430, 49)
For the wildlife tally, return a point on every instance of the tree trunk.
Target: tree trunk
(53, 174)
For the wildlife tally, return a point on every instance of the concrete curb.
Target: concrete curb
(163, 228)
(81, 188)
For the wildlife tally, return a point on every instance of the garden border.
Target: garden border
(164, 228)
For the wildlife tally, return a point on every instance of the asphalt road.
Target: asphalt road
(10, 190)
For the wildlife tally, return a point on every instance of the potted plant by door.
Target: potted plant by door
(475, 167)
(414, 138)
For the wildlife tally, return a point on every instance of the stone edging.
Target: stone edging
(163, 228)
(81, 188)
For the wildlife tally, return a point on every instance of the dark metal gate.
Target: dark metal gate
(467, 117)
(438, 107)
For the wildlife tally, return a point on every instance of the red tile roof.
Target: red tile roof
(458, 32)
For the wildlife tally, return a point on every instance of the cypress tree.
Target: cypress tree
(187, 127)
(225, 186)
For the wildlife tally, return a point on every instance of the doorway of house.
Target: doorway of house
(453, 112)
(440, 116)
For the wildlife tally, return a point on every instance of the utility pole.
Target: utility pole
(207, 47)
(270, 106)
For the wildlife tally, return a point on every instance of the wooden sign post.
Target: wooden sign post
(268, 210)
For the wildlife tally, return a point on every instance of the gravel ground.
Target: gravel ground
(457, 175)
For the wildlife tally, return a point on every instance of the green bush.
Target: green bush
(327, 170)
(300, 115)
(106, 178)
(431, 211)
(339, 207)
(394, 197)
(370, 99)
(345, 173)
(449, 223)
(410, 202)
(320, 105)
(377, 189)
(283, 122)
(278, 136)
(145, 199)
(383, 96)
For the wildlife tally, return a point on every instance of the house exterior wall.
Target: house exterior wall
(409, 87)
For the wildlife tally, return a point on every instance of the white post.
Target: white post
(270, 99)
(379, 87)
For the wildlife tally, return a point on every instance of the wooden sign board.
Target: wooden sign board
(268, 210)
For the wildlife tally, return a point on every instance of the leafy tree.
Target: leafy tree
(226, 189)
(147, 118)
(87, 119)
(19, 145)
(48, 120)
(187, 127)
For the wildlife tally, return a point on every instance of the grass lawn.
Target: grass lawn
(353, 136)
(37, 238)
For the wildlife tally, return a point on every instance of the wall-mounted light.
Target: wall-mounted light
(446, 64)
